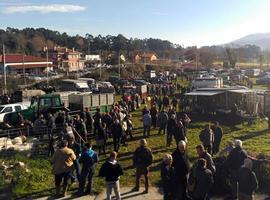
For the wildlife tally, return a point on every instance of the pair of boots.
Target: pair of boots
(58, 191)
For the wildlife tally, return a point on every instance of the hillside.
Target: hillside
(260, 39)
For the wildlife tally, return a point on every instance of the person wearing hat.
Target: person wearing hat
(234, 162)
(142, 160)
(247, 181)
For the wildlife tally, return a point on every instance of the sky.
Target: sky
(184, 22)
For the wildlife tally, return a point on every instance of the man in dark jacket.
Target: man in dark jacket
(180, 133)
(117, 132)
(88, 159)
(89, 120)
(153, 113)
(200, 180)
(247, 181)
(207, 138)
(234, 162)
(162, 121)
(142, 160)
(218, 133)
(181, 165)
(209, 161)
(112, 170)
(171, 129)
(168, 177)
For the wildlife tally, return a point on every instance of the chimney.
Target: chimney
(73, 49)
(66, 50)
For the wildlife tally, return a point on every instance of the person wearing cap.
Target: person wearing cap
(111, 170)
(168, 177)
(181, 165)
(234, 162)
(62, 166)
(142, 160)
(247, 181)
(171, 129)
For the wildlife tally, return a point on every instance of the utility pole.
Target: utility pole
(4, 70)
(197, 61)
(119, 68)
(24, 78)
(47, 58)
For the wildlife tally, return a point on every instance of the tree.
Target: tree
(231, 56)
(207, 56)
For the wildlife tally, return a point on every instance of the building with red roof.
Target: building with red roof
(66, 59)
(19, 62)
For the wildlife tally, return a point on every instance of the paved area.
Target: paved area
(127, 193)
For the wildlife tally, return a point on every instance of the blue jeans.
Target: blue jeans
(86, 174)
(77, 170)
(146, 130)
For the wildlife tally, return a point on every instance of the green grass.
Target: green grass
(256, 140)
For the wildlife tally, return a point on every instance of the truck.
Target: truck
(44, 104)
(128, 91)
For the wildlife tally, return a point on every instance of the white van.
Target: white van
(8, 108)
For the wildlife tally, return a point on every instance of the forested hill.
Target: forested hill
(32, 41)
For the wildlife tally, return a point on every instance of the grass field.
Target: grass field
(40, 181)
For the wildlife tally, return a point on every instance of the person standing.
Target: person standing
(153, 113)
(209, 161)
(185, 121)
(89, 120)
(88, 159)
(234, 162)
(218, 133)
(147, 121)
(179, 134)
(142, 160)
(168, 178)
(117, 132)
(207, 138)
(111, 170)
(171, 129)
(101, 139)
(200, 180)
(247, 180)
(162, 121)
(181, 165)
(62, 166)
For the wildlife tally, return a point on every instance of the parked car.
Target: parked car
(8, 108)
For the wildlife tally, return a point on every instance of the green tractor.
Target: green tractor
(44, 104)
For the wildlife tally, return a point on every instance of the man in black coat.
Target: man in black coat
(171, 129)
(234, 162)
(142, 160)
(181, 165)
(218, 133)
(117, 132)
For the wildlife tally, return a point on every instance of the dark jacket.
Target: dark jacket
(181, 164)
(217, 135)
(179, 134)
(247, 181)
(236, 158)
(209, 162)
(202, 180)
(168, 178)
(171, 126)
(111, 170)
(143, 157)
(207, 137)
(163, 118)
(116, 130)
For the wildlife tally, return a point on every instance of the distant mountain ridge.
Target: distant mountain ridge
(259, 39)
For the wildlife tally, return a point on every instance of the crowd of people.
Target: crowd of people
(180, 179)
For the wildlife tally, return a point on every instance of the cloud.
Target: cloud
(60, 8)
